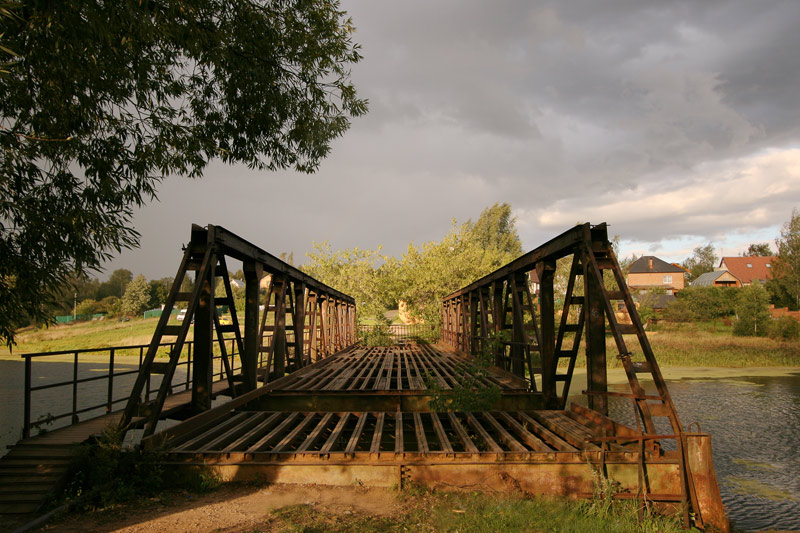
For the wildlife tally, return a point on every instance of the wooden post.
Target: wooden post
(546, 271)
(203, 364)
(252, 278)
(596, 372)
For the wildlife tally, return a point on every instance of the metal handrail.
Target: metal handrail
(110, 375)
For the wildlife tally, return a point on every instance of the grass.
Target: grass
(704, 344)
(417, 509)
(710, 344)
(476, 512)
(700, 344)
(84, 335)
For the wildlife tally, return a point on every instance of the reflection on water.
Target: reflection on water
(755, 428)
(58, 400)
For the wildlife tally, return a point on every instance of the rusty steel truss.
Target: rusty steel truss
(303, 321)
(530, 336)
(537, 334)
(333, 412)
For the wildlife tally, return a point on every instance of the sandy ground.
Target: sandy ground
(231, 508)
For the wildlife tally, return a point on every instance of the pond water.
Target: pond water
(754, 423)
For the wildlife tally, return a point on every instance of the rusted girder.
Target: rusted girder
(302, 321)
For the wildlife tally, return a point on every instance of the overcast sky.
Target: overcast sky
(676, 122)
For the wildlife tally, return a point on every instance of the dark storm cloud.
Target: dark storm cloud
(568, 110)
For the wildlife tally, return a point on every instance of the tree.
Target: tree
(159, 290)
(495, 231)
(467, 253)
(702, 260)
(363, 274)
(101, 100)
(116, 284)
(787, 264)
(752, 311)
(136, 297)
(758, 250)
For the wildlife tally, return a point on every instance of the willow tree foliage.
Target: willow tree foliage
(99, 100)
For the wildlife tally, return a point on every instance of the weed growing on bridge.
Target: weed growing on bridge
(473, 391)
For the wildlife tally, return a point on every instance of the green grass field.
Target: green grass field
(701, 344)
(81, 335)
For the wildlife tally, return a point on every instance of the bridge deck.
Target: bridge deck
(320, 438)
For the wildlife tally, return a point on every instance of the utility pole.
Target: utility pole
(75, 306)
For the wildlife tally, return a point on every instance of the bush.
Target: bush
(88, 307)
(752, 311)
(102, 472)
(784, 328)
(376, 336)
(707, 303)
(678, 311)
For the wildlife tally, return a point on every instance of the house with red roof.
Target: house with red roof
(747, 269)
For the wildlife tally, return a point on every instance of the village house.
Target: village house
(747, 269)
(717, 278)
(649, 272)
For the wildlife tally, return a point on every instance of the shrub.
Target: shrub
(102, 472)
(376, 336)
(678, 311)
(784, 328)
(752, 311)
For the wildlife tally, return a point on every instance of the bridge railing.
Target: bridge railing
(400, 333)
(118, 361)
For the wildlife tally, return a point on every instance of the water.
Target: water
(58, 400)
(755, 427)
(754, 423)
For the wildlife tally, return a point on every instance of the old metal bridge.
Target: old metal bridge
(305, 402)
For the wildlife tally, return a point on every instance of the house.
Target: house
(717, 278)
(533, 277)
(750, 268)
(649, 272)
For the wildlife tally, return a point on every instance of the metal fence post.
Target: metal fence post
(26, 421)
(110, 381)
(75, 389)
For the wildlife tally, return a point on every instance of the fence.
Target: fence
(112, 395)
(399, 333)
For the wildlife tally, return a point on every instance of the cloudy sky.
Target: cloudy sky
(676, 122)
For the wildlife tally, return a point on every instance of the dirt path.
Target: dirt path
(231, 508)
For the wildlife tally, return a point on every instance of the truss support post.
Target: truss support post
(596, 371)
(299, 324)
(203, 362)
(546, 271)
(518, 326)
(252, 278)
